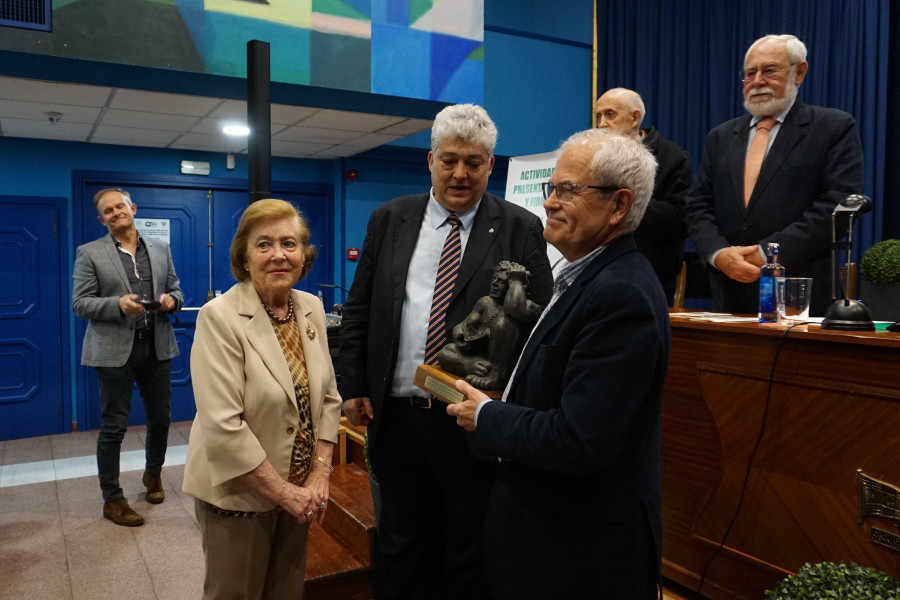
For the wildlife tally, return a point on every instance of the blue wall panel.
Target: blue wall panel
(538, 92)
(42, 167)
(569, 20)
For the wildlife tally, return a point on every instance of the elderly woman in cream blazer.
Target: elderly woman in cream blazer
(260, 452)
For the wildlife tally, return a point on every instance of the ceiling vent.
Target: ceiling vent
(26, 14)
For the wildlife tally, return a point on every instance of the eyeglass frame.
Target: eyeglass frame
(762, 73)
(548, 188)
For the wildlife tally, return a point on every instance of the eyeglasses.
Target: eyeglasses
(565, 190)
(768, 73)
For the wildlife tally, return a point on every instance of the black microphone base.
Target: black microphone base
(848, 315)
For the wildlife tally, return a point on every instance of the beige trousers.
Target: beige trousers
(252, 559)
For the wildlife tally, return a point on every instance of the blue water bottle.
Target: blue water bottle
(768, 310)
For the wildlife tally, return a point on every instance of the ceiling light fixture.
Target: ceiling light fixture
(236, 129)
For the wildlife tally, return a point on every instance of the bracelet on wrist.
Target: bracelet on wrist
(281, 493)
(326, 463)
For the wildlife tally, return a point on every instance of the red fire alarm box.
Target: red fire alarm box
(352, 253)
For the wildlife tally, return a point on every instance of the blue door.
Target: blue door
(202, 218)
(34, 398)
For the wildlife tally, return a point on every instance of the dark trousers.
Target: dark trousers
(568, 551)
(433, 500)
(153, 378)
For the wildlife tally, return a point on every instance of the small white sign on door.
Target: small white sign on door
(155, 229)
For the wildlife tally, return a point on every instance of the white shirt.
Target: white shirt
(423, 269)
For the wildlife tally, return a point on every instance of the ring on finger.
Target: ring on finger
(309, 514)
(321, 506)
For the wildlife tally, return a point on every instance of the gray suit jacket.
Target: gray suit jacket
(99, 281)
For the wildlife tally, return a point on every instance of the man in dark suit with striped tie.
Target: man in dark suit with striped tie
(426, 260)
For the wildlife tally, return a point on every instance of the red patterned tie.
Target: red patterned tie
(443, 290)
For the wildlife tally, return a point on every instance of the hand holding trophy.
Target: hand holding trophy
(486, 345)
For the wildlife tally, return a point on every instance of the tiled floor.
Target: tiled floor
(55, 544)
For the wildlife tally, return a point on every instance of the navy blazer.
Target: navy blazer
(814, 162)
(370, 328)
(580, 439)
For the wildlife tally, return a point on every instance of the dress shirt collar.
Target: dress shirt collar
(568, 271)
(438, 214)
(119, 245)
(779, 118)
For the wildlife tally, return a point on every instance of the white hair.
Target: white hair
(795, 48)
(619, 161)
(467, 122)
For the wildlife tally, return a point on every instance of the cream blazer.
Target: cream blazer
(246, 409)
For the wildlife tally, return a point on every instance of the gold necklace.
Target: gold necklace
(286, 318)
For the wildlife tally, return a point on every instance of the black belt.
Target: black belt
(415, 401)
(143, 334)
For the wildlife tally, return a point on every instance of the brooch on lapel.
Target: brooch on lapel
(310, 332)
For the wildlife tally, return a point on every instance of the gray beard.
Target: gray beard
(775, 106)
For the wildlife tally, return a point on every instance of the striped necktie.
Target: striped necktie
(448, 268)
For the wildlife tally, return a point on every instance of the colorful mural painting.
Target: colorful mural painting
(425, 49)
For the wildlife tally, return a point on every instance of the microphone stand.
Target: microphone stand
(847, 314)
(333, 287)
(336, 309)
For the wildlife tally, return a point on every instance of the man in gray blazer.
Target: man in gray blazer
(125, 284)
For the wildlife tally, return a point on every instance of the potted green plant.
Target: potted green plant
(880, 288)
(830, 580)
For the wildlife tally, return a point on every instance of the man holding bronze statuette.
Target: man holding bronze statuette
(426, 260)
(575, 503)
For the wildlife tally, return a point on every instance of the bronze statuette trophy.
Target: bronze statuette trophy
(487, 344)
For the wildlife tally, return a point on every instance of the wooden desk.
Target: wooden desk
(834, 408)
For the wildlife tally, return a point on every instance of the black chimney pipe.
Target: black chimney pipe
(259, 144)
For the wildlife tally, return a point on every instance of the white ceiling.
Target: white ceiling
(109, 115)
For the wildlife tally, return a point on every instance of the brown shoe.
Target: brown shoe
(155, 492)
(120, 513)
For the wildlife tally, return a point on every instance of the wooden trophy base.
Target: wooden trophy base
(442, 385)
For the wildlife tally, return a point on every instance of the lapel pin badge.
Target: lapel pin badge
(310, 332)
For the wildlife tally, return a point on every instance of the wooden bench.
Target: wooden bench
(341, 553)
